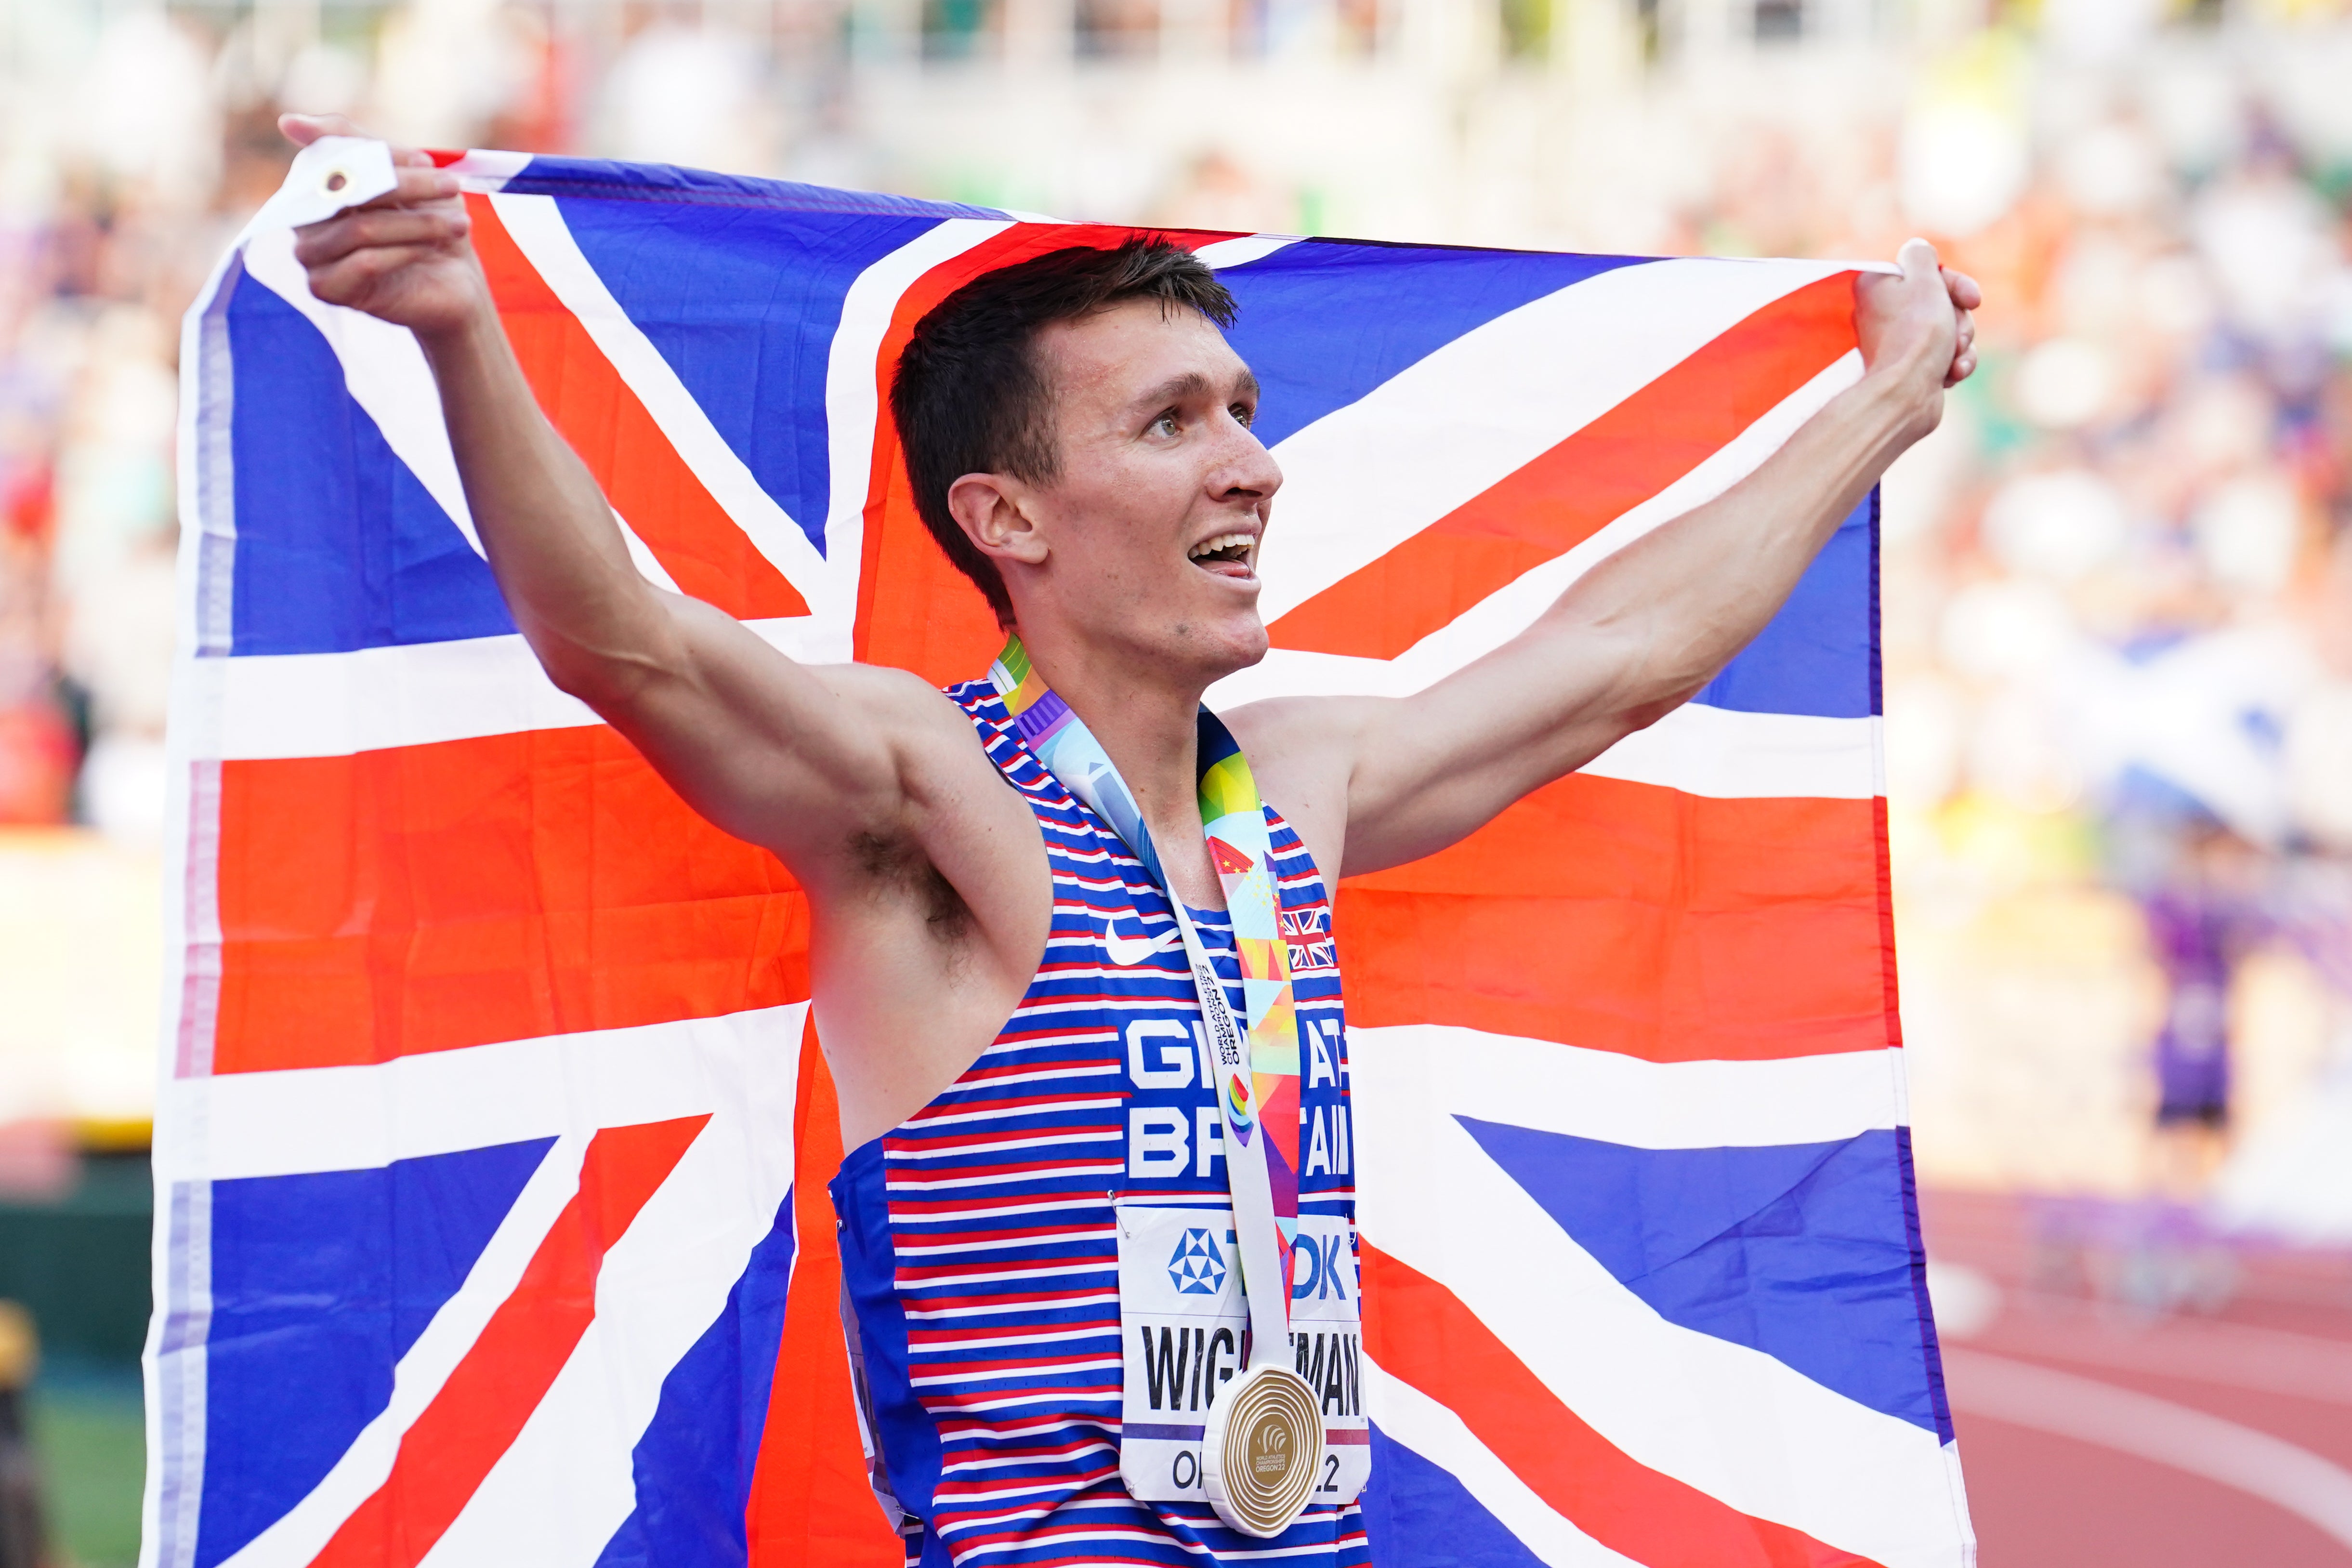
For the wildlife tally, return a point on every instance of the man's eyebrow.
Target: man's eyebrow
(1193, 383)
(1175, 389)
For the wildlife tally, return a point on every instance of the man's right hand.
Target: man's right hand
(402, 256)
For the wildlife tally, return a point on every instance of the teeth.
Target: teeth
(1222, 542)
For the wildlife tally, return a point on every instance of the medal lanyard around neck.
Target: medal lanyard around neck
(1256, 1059)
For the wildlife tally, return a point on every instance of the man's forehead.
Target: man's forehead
(1138, 348)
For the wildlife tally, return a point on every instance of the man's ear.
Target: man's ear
(994, 513)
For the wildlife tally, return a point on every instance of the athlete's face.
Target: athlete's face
(1146, 541)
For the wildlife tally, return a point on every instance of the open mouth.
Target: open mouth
(1226, 551)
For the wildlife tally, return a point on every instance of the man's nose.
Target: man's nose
(1246, 467)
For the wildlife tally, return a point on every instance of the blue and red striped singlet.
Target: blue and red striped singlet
(980, 1238)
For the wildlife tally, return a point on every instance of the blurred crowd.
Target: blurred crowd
(2118, 634)
(2119, 582)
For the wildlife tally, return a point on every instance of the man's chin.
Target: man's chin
(1246, 645)
(1257, 650)
(1209, 653)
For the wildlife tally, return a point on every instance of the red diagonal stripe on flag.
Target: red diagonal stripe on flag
(1418, 1332)
(489, 1395)
(641, 473)
(1569, 494)
(431, 896)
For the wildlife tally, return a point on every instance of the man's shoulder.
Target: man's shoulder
(925, 727)
(1313, 724)
(885, 692)
(1303, 752)
(940, 734)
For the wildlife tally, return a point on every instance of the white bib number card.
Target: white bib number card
(1183, 1325)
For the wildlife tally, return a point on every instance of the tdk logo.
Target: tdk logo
(1196, 1266)
(1320, 1266)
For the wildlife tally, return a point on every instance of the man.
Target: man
(1049, 1215)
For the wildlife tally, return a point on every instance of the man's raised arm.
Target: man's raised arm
(804, 761)
(1640, 633)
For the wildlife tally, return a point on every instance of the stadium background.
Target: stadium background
(2118, 597)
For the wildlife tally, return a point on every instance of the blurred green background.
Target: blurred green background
(76, 1258)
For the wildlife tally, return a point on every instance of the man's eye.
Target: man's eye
(1164, 426)
(1245, 414)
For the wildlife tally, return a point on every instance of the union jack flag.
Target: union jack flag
(493, 1136)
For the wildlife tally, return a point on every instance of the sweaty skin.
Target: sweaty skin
(927, 882)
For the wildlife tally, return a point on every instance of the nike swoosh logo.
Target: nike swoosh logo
(1129, 951)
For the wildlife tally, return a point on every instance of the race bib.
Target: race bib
(1182, 1328)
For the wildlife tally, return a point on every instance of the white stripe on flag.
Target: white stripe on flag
(1733, 1421)
(413, 694)
(486, 170)
(1224, 253)
(1727, 754)
(1367, 476)
(374, 698)
(1618, 1099)
(371, 700)
(1407, 1415)
(436, 1103)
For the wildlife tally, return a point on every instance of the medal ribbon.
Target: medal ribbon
(1255, 1058)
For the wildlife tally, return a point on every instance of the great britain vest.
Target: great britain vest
(982, 1241)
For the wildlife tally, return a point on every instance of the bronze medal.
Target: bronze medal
(1263, 1445)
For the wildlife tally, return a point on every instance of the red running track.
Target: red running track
(2095, 1433)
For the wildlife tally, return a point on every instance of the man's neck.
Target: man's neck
(1147, 724)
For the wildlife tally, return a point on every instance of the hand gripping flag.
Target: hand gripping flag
(493, 1136)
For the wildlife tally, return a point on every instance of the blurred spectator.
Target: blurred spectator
(2201, 918)
(688, 94)
(24, 1535)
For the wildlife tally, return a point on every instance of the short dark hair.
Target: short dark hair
(968, 396)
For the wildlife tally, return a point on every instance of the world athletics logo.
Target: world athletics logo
(1196, 1266)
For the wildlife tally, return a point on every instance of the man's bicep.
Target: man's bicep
(797, 758)
(1435, 767)
(1418, 781)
